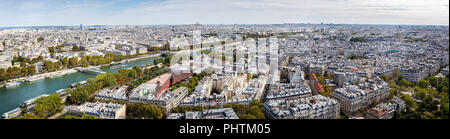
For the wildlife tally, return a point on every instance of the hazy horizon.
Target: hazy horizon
(26, 13)
(218, 24)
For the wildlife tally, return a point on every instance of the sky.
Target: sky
(155, 12)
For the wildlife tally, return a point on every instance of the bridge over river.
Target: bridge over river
(93, 70)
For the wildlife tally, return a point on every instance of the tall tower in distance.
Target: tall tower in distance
(81, 26)
(398, 35)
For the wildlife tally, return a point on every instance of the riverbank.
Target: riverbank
(43, 75)
(134, 59)
(67, 71)
(59, 73)
(12, 97)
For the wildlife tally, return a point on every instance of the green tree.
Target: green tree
(357, 39)
(137, 69)
(132, 74)
(327, 91)
(76, 48)
(107, 79)
(31, 69)
(65, 62)
(408, 101)
(423, 84)
(84, 62)
(12, 72)
(31, 116)
(384, 77)
(445, 109)
(48, 66)
(433, 81)
(36, 60)
(57, 65)
(69, 117)
(78, 97)
(73, 62)
(118, 58)
(256, 111)
(421, 94)
(148, 111)
(321, 79)
(86, 116)
(394, 92)
(23, 64)
(400, 77)
(253, 111)
(167, 59)
(256, 103)
(39, 39)
(405, 83)
(47, 106)
(248, 116)
(23, 71)
(51, 50)
(428, 104)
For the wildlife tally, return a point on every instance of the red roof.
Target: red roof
(313, 76)
(377, 111)
(161, 79)
(319, 87)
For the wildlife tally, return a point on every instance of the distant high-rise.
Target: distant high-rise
(81, 26)
(398, 35)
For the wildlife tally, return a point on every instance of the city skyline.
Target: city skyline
(140, 12)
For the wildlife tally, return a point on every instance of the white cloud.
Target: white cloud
(57, 12)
